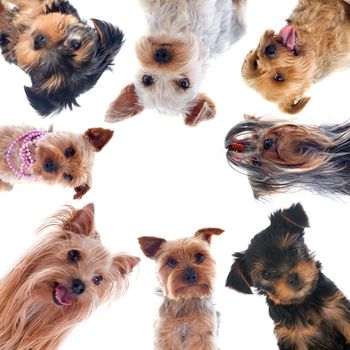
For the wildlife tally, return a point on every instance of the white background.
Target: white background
(160, 177)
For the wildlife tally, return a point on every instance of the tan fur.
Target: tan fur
(29, 316)
(323, 39)
(187, 318)
(52, 147)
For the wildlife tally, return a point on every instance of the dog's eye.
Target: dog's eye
(97, 279)
(68, 177)
(183, 83)
(199, 258)
(256, 162)
(266, 275)
(171, 262)
(73, 255)
(279, 78)
(268, 143)
(147, 80)
(75, 44)
(69, 152)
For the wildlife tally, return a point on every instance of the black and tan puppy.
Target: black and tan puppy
(309, 311)
(62, 54)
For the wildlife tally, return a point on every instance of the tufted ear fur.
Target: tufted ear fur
(124, 263)
(294, 106)
(203, 109)
(126, 105)
(151, 245)
(238, 277)
(206, 233)
(82, 221)
(98, 137)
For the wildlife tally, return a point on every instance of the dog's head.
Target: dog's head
(280, 69)
(186, 268)
(277, 262)
(172, 69)
(64, 58)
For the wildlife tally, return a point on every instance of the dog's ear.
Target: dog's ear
(98, 137)
(294, 106)
(238, 277)
(126, 105)
(39, 101)
(110, 36)
(206, 233)
(150, 245)
(81, 190)
(203, 109)
(82, 221)
(293, 218)
(124, 263)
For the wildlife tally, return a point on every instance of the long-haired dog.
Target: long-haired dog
(53, 157)
(278, 155)
(314, 43)
(186, 270)
(308, 310)
(59, 282)
(62, 54)
(183, 35)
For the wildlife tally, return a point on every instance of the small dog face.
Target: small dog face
(185, 266)
(280, 70)
(277, 262)
(62, 54)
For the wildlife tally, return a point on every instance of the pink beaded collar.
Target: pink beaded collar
(24, 153)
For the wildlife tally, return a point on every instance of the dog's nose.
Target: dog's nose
(190, 276)
(50, 166)
(40, 41)
(78, 287)
(293, 279)
(270, 51)
(162, 55)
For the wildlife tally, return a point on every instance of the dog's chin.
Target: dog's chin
(61, 296)
(193, 291)
(297, 297)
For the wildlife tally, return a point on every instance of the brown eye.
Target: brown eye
(147, 80)
(184, 83)
(266, 275)
(97, 279)
(75, 44)
(268, 143)
(73, 255)
(279, 78)
(68, 177)
(171, 262)
(199, 258)
(69, 152)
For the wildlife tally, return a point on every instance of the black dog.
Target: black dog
(309, 311)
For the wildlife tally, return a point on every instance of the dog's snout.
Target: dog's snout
(270, 51)
(190, 276)
(78, 287)
(40, 41)
(50, 166)
(162, 55)
(293, 279)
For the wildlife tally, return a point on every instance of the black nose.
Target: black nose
(270, 51)
(293, 279)
(78, 287)
(190, 276)
(50, 166)
(162, 55)
(40, 42)
(268, 144)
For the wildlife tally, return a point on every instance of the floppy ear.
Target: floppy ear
(98, 137)
(203, 109)
(206, 233)
(294, 218)
(238, 277)
(110, 36)
(82, 221)
(294, 106)
(150, 245)
(81, 190)
(124, 263)
(126, 105)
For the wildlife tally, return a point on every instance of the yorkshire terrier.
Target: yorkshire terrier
(308, 310)
(183, 35)
(278, 155)
(187, 319)
(28, 154)
(63, 55)
(314, 43)
(59, 282)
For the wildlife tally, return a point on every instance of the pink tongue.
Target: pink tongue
(63, 296)
(288, 37)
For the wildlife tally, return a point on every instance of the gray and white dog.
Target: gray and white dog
(183, 36)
